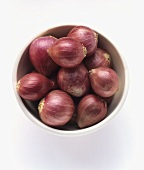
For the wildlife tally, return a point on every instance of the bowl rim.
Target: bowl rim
(70, 133)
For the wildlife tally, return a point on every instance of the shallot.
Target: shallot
(100, 58)
(104, 81)
(86, 36)
(56, 109)
(34, 86)
(74, 81)
(91, 110)
(39, 56)
(67, 52)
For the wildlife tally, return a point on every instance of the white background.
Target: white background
(117, 146)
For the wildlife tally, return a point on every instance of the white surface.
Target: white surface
(117, 146)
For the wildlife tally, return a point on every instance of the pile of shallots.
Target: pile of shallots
(72, 78)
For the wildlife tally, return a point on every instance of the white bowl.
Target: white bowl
(23, 66)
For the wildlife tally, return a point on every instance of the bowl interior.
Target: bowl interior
(24, 66)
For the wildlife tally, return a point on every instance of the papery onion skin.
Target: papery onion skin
(67, 52)
(86, 36)
(39, 56)
(104, 81)
(100, 58)
(34, 86)
(74, 81)
(90, 111)
(56, 109)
